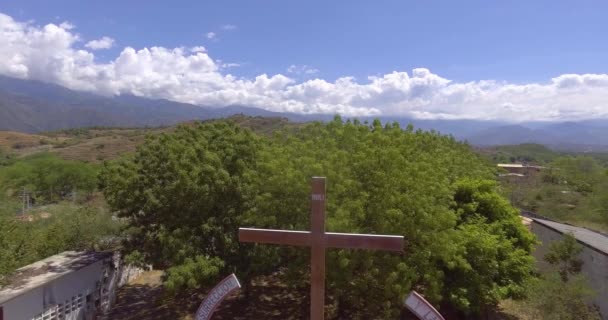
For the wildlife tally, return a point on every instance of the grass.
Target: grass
(559, 202)
(513, 310)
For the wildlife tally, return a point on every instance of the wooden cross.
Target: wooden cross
(318, 240)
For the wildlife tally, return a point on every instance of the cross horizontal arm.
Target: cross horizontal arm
(364, 241)
(285, 237)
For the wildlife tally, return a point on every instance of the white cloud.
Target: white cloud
(66, 25)
(103, 43)
(198, 49)
(230, 65)
(303, 69)
(50, 53)
(211, 35)
(228, 27)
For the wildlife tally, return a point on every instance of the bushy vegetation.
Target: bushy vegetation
(184, 195)
(561, 292)
(5, 157)
(522, 153)
(56, 229)
(572, 189)
(52, 225)
(48, 177)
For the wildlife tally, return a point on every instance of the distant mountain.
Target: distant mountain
(591, 132)
(34, 106)
(511, 134)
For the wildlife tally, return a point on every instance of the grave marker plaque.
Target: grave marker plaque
(215, 297)
(421, 308)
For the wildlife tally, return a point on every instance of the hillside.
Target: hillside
(522, 153)
(96, 144)
(34, 106)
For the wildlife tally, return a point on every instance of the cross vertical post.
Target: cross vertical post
(317, 263)
(318, 240)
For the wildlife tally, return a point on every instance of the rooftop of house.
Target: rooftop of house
(518, 165)
(46, 270)
(510, 165)
(593, 239)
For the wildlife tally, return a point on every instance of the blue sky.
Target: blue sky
(508, 42)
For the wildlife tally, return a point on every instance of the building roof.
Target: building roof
(510, 165)
(44, 271)
(518, 165)
(595, 240)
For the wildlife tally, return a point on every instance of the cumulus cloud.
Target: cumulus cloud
(211, 35)
(228, 27)
(51, 53)
(103, 43)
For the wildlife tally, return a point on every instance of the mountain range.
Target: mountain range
(34, 106)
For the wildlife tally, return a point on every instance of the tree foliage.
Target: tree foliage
(67, 228)
(49, 177)
(5, 157)
(561, 292)
(186, 193)
(564, 256)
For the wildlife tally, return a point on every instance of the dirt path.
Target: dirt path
(144, 298)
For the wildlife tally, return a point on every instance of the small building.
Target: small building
(594, 254)
(518, 169)
(70, 285)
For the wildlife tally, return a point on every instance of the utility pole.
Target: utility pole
(25, 201)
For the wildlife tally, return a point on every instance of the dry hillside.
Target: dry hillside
(99, 144)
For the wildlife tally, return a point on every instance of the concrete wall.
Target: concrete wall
(59, 291)
(97, 281)
(595, 266)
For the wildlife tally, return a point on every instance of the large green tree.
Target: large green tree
(186, 193)
(465, 245)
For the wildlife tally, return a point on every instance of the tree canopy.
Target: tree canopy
(185, 194)
(49, 177)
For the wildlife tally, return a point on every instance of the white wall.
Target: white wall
(25, 306)
(58, 291)
(88, 280)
